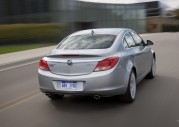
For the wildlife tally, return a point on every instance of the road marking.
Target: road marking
(18, 66)
(18, 101)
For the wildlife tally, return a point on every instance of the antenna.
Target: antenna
(92, 32)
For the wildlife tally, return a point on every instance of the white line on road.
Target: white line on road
(18, 66)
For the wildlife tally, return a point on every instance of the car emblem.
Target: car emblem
(69, 62)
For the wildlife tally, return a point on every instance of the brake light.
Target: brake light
(106, 64)
(43, 65)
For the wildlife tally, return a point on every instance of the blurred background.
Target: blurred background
(27, 24)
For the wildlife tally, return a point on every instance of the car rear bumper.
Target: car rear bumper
(104, 83)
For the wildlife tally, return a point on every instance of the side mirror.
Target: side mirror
(149, 42)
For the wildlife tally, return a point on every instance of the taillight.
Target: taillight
(43, 65)
(106, 64)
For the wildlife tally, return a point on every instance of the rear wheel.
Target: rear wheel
(152, 72)
(54, 96)
(130, 94)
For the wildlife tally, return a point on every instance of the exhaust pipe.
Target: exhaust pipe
(47, 94)
(97, 97)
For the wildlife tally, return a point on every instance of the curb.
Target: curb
(21, 61)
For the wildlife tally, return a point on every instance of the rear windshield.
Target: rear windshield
(87, 42)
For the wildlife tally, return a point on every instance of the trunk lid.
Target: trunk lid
(75, 62)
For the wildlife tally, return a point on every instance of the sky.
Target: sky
(171, 4)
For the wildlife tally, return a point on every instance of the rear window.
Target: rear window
(87, 42)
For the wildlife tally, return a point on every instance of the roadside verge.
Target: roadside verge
(23, 56)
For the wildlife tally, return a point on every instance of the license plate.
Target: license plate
(69, 85)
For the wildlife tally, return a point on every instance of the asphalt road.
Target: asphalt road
(156, 105)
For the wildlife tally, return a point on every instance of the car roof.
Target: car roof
(110, 31)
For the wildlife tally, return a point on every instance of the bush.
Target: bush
(170, 28)
(31, 33)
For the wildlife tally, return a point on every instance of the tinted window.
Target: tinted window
(137, 39)
(129, 40)
(87, 42)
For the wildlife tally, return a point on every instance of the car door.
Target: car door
(142, 55)
(135, 53)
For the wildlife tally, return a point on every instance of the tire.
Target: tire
(152, 72)
(130, 94)
(54, 96)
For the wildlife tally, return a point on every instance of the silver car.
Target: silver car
(99, 63)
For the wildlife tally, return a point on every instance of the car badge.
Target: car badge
(69, 62)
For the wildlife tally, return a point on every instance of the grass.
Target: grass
(20, 47)
(19, 32)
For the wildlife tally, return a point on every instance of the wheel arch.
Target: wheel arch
(153, 53)
(135, 72)
(131, 67)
